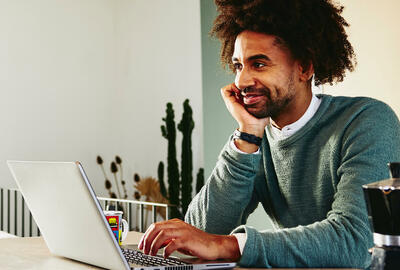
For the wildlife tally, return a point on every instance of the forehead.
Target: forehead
(250, 43)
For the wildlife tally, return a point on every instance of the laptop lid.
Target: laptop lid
(65, 208)
(71, 220)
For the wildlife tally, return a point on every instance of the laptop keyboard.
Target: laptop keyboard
(138, 257)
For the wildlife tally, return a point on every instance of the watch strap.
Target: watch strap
(250, 138)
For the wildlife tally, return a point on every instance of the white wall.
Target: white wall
(158, 61)
(56, 80)
(88, 77)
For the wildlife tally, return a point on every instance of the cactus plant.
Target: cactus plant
(183, 194)
(186, 126)
(160, 172)
(199, 180)
(168, 131)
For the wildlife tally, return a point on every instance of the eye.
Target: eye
(237, 66)
(259, 65)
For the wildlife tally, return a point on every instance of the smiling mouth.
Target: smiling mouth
(250, 99)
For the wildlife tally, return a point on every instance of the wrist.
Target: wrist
(247, 142)
(245, 147)
(228, 247)
(254, 130)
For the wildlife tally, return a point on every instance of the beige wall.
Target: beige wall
(375, 35)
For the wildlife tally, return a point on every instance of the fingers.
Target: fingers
(161, 238)
(172, 246)
(150, 237)
(230, 91)
(231, 96)
(144, 236)
(234, 103)
(158, 233)
(166, 243)
(231, 87)
(178, 235)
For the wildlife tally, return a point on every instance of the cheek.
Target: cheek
(269, 78)
(268, 82)
(278, 81)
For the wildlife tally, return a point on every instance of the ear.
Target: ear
(306, 71)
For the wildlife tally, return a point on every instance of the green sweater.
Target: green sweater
(310, 186)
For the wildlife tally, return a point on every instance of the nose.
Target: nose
(244, 79)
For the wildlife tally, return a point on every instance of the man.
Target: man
(304, 157)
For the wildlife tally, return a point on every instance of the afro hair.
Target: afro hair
(312, 30)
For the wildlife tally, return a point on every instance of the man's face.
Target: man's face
(265, 74)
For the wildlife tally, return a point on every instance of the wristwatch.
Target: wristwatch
(250, 138)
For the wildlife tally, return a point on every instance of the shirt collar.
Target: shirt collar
(292, 128)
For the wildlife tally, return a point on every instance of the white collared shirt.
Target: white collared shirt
(278, 135)
(292, 128)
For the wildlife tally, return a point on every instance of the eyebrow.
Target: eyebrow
(253, 57)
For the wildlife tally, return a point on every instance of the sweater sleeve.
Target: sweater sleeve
(370, 141)
(227, 198)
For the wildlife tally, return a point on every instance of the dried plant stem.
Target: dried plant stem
(104, 172)
(122, 181)
(125, 192)
(116, 182)
(122, 174)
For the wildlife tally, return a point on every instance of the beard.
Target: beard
(268, 107)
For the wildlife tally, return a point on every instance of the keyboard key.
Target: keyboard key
(138, 257)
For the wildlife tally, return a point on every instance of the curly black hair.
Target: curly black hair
(313, 31)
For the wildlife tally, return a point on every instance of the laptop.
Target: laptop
(72, 222)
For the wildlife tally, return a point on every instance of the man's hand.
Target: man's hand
(247, 122)
(177, 235)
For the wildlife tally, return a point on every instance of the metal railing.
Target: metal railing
(15, 217)
(15, 214)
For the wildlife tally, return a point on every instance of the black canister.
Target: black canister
(383, 203)
(383, 200)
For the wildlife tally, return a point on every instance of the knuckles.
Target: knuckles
(159, 232)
